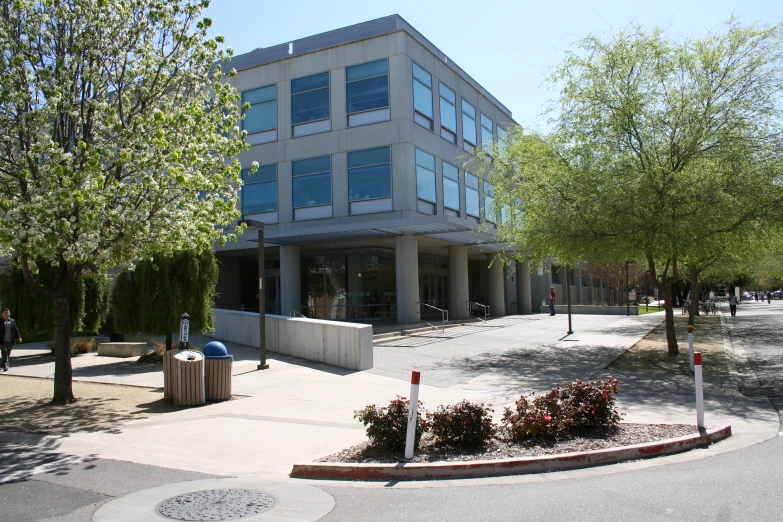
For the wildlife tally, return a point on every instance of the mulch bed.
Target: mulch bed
(625, 434)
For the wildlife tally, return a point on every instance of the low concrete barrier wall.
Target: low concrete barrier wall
(347, 345)
(591, 310)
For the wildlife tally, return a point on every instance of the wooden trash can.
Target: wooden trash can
(170, 384)
(217, 377)
(190, 378)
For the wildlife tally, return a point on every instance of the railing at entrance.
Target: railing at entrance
(471, 305)
(294, 313)
(444, 315)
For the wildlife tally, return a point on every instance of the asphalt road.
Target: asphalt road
(743, 485)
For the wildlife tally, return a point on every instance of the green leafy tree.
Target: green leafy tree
(118, 141)
(89, 298)
(151, 298)
(659, 147)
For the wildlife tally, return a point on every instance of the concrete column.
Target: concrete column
(355, 291)
(524, 291)
(510, 288)
(406, 253)
(290, 279)
(458, 282)
(564, 280)
(497, 297)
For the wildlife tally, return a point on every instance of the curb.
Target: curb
(515, 466)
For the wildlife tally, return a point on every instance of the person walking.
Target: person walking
(769, 296)
(733, 305)
(551, 300)
(9, 333)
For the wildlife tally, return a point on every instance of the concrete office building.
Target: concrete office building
(361, 134)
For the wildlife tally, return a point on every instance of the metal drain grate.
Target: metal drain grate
(216, 504)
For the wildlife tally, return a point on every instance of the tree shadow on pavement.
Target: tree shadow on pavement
(99, 407)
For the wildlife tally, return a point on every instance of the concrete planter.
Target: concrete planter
(591, 310)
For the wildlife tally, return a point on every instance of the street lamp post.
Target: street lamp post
(259, 225)
(627, 291)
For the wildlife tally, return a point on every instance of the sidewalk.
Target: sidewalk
(297, 411)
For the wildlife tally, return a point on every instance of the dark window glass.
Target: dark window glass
(259, 192)
(310, 98)
(468, 123)
(369, 174)
(262, 114)
(312, 182)
(367, 86)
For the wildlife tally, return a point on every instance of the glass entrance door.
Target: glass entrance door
(272, 293)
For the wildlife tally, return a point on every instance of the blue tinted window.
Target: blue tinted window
(448, 109)
(366, 70)
(310, 106)
(369, 94)
(425, 160)
(486, 132)
(259, 193)
(422, 75)
(262, 114)
(309, 83)
(313, 190)
(362, 158)
(369, 174)
(471, 200)
(450, 171)
(451, 194)
(501, 139)
(259, 197)
(265, 173)
(471, 181)
(310, 166)
(422, 99)
(468, 123)
(425, 176)
(310, 98)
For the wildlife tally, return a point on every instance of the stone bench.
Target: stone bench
(122, 349)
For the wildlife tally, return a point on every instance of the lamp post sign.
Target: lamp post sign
(184, 331)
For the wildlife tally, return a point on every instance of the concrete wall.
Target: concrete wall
(590, 310)
(346, 345)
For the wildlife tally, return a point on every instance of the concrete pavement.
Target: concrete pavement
(298, 411)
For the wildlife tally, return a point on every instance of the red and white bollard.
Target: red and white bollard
(413, 412)
(699, 390)
(690, 345)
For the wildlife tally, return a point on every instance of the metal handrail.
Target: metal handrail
(294, 313)
(444, 315)
(485, 307)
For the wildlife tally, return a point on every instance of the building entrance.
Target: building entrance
(433, 284)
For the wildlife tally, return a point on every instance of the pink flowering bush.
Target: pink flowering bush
(570, 408)
(467, 425)
(387, 427)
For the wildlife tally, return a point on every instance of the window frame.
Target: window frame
(257, 183)
(473, 118)
(478, 195)
(329, 97)
(388, 87)
(331, 184)
(244, 113)
(348, 170)
(482, 128)
(451, 180)
(434, 175)
(416, 112)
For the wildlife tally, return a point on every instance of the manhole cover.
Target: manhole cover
(216, 504)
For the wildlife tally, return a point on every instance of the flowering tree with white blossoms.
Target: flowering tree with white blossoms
(117, 140)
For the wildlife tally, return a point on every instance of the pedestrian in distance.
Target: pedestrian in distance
(552, 300)
(9, 333)
(733, 305)
(769, 297)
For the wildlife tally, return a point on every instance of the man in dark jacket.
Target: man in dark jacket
(9, 335)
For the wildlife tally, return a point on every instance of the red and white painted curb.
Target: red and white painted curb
(516, 466)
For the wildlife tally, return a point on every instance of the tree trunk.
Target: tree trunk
(671, 334)
(168, 342)
(63, 375)
(694, 311)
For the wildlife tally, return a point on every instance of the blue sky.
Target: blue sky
(508, 47)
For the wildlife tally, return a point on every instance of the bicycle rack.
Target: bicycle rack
(469, 306)
(444, 314)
